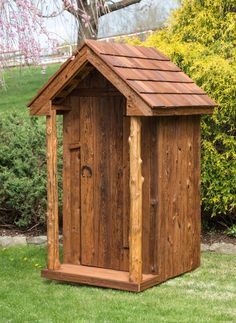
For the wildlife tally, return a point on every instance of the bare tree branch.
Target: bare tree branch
(73, 11)
(120, 5)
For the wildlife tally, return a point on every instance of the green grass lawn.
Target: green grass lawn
(21, 86)
(206, 295)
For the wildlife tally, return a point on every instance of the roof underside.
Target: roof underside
(148, 73)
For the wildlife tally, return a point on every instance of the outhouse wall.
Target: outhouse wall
(171, 194)
(170, 152)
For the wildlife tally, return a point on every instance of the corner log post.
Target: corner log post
(136, 181)
(52, 192)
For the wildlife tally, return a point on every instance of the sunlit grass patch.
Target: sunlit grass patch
(21, 85)
(207, 294)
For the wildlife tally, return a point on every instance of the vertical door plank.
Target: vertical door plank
(75, 182)
(67, 128)
(87, 181)
(103, 183)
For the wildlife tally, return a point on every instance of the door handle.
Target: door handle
(86, 171)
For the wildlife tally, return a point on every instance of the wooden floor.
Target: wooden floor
(99, 277)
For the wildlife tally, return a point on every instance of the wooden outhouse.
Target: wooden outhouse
(131, 167)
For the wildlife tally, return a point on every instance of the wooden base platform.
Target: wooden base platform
(99, 277)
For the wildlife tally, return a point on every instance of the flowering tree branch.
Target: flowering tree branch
(22, 22)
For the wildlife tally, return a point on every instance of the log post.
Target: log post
(52, 193)
(136, 181)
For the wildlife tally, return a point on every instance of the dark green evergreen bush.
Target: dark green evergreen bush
(23, 182)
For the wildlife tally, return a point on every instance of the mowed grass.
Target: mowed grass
(206, 295)
(21, 86)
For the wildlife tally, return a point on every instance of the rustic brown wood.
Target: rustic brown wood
(142, 107)
(75, 145)
(126, 190)
(67, 128)
(105, 48)
(43, 110)
(57, 84)
(61, 107)
(128, 112)
(136, 76)
(102, 181)
(94, 92)
(136, 181)
(178, 195)
(182, 111)
(52, 211)
(71, 185)
(145, 156)
(166, 87)
(100, 277)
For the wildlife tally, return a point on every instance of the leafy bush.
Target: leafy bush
(23, 170)
(231, 232)
(201, 39)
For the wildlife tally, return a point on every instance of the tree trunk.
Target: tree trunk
(89, 9)
(91, 31)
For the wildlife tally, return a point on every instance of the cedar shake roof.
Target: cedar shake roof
(144, 71)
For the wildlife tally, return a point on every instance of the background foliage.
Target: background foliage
(23, 170)
(201, 39)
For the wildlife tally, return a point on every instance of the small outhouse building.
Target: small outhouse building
(131, 167)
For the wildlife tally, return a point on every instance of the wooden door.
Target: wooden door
(104, 161)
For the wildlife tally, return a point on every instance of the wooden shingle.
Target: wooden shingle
(145, 73)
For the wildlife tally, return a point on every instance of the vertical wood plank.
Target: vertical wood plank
(136, 181)
(67, 124)
(178, 167)
(146, 208)
(126, 191)
(52, 192)
(153, 240)
(88, 232)
(196, 242)
(75, 182)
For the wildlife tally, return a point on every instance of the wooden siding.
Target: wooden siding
(178, 208)
(171, 195)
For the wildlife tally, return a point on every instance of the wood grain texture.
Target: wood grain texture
(58, 82)
(136, 182)
(142, 107)
(99, 277)
(71, 184)
(102, 152)
(178, 168)
(67, 127)
(52, 192)
(148, 82)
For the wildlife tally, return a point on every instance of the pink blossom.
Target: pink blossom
(86, 19)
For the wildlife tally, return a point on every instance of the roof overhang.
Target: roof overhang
(90, 56)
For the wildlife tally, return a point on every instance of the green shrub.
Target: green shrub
(201, 39)
(231, 232)
(23, 170)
